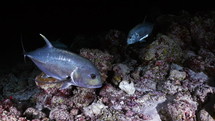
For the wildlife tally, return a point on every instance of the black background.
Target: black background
(65, 19)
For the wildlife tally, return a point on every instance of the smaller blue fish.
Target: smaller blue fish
(139, 33)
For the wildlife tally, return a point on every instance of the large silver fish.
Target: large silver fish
(139, 33)
(67, 67)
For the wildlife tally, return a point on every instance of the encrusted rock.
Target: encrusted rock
(205, 116)
(181, 108)
(94, 109)
(163, 48)
(60, 114)
(102, 60)
(127, 87)
(177, 75)
(34, 113)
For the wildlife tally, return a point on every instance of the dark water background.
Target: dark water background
(60, 19)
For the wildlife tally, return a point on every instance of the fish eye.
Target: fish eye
(93, 76)
(68, 77)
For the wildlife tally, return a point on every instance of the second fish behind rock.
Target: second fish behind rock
(139, 33)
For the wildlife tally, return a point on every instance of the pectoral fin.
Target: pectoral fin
(66, 85)
(70, 81)
(142, 38)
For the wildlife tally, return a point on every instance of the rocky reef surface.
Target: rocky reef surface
(171, 77)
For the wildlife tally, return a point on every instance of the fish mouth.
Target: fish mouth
(87, 85)
(94, 86)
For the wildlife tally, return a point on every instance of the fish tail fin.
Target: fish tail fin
(23, 49)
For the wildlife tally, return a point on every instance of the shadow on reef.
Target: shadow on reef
(207, 106)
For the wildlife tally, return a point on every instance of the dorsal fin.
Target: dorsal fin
(144, 19)
(48, 44)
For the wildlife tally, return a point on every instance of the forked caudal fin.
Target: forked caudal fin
(49, 45)
(23, 49)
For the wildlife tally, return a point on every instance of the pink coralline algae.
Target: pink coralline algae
(10, 113)
(204, 61)
(115, 43)
(147, 78)
(134, 107)
(103, 60)
(60, 114)
(33, 113)
(202, 31)
(121, 72)
(180, 33)
(180, 108)
(163, 48)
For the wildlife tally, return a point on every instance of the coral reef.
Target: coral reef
(163, 48)
(168, 79)
(115, 44)
(101, 59)
(8, 112)
(180, 108)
